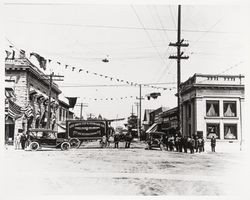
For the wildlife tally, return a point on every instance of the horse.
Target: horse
(120, 137)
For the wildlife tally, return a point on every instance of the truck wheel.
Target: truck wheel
(33, 146)
(74, 143)
(65, 146)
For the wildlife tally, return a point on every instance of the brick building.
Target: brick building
(212, 105)
(31, 94)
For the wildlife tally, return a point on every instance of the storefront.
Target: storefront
(169, 121)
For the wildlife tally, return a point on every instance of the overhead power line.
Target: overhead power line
(172, 17)
(148, 35)
(117, 27)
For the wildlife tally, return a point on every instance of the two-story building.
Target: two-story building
(212, 105)
(155, 115)
(169, 121)
(31, 89)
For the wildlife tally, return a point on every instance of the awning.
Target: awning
(169, 128)
(152, 128)
(61, 128)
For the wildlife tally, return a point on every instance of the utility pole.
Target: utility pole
(81, 112)
(139, 112)
(81, 105)
(138, 120)
(178, 57)
(51, 76)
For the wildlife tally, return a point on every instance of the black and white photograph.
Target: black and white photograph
(124, 100)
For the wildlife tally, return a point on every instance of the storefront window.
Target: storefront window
(230, 131)
(229, 109)
(213, 130)
(212, 108)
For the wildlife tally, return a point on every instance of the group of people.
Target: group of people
(21, 141)
(183, 144)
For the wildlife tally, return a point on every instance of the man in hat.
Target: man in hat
(213, 144)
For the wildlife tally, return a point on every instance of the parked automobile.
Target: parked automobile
(155, 140)
(38, 138)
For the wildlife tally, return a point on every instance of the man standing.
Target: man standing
(23, 140)
(116, 139)
(17, 141)
(203, 144)
(192, 145)
(213, 143)
(199, 145)
(185, 144)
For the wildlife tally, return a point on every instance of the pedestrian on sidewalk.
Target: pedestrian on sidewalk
(192, 145)
(185, 144)
(176, 142)
(180, 143)
(203, 144)
(23, 140)
(199, 145)
(171, 143)
(213, 144)
(17, 141)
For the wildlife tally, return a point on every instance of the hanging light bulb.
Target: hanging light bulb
(105, 59)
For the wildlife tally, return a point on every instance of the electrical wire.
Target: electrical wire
(147, 33)
(204, 34)
(172, 17)
(117, 27)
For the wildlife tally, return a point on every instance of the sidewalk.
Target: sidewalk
(225, 147)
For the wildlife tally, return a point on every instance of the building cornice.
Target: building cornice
(26, 65)
(192, 87)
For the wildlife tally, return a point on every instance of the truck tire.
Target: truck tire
(74, 143)
(33, 146)
(65, 146)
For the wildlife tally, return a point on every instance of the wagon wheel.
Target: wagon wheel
(65, 146)
(33, 146)
(74, 143)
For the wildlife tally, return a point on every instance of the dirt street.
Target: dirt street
(134, 171)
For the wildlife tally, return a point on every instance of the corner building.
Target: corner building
(31, 89)
(212, 105)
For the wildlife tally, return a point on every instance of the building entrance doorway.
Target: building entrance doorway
(9, 131)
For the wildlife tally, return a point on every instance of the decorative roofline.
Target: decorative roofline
(26, 65)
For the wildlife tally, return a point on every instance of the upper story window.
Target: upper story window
(229, 109)
(212, 108)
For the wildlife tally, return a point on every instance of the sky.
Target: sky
(135, 39)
